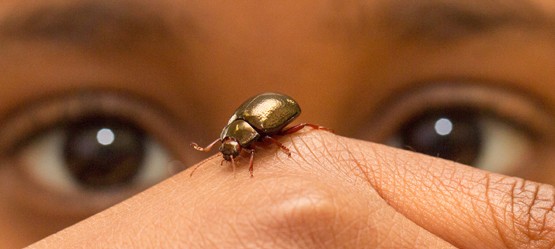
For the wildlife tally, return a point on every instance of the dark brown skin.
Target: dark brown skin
(371, 70)
(337, 192)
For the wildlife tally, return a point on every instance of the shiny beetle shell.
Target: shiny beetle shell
(241, 131)
(258, 119)
(264, 114)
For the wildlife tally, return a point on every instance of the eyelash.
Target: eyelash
(503, 104)
(25, 123)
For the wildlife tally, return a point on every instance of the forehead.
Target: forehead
(128, 21)
(216, 52)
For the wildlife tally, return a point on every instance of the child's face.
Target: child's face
(166, 73)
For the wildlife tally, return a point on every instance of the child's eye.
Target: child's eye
(490, 128)
(80, 154)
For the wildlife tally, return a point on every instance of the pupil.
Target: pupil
(450, 134)
(103, 152)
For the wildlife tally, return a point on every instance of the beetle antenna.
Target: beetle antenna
(205, 149)
(195, 169)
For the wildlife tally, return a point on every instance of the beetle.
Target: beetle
(258, 119)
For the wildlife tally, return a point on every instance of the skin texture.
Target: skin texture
(334, 192)
(362, 68)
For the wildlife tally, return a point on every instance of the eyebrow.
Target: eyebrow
(440, 20)
(90, 24)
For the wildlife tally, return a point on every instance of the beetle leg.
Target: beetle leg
(205, 149)
(298, 127)
(233, 166)
(281, 146)
(251, 168)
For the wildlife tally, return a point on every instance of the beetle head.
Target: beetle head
(230, 148)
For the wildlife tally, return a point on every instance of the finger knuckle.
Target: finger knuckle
(306, 219)
(524, 213)
(312, 215)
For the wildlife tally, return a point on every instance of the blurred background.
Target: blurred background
(100, 100)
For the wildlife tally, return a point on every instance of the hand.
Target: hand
(332, 192)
